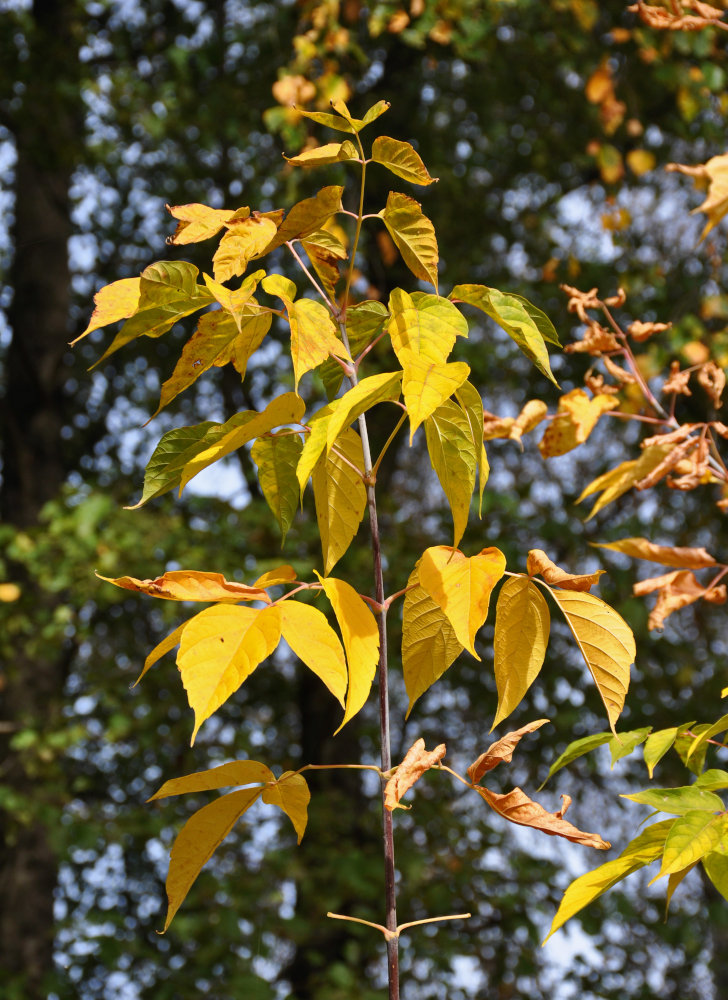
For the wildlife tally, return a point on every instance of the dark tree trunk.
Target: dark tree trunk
(48, 133)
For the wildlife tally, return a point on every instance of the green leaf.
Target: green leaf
(639, 852)
(657, 745)
(175, 449)
(677, 801)
(401, 159)
(238, 772)
(716, 868)
(522, 623)
(276, 457)
(575, 750)
(364, 323)
(623, 744)
(691, 837)
(700, 741)
(198, 840)
(290, 793)
(239, 430)
(713, 779)
(340, 496)
(413, 235)
(454, 457)
(429, 643)
(684, 743)
(517, 317)
(167, 293)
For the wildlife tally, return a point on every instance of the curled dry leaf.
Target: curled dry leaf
(497, 427)
(501, 752)
(715, 172)
(565, 803)
(677, 383)
(669, 462)
(619, 373)
(530, 416)
(516, 807)
(705, 16)
(594, 381)
(190, 585)
(595, 341)
(540, 564)
(640, 331)
(580, 301)
(712, 379)
(676, 590)
(417, 760)
(668, 555)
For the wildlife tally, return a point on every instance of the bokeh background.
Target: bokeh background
(549, 123)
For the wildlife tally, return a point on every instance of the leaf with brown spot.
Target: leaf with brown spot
(417, 760)
(575, 419)
(539, 563)
(197, 222)
(516, 807)
(501, 752)
(191, 585)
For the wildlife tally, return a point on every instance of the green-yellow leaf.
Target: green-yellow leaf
(657, 745)
(684, 743)
(237, 772)
(290, 793)
(517, 317)
(242, 428)
(340, 496)
(677, 801)
(716, 868)
(522, 624)
(606, 642)
(161, 649)
(276, 457)
(639, 852)
(426, 325)
(360, 633)
(244, 240)
(198, 840)
(426, 385)
(673, 882)
(617, 481)
(576, 749)
(322, 156)
(713, 779)
(469, 399)
(413, 235)
(623, 744)
(454, 457)
(429, 643)
(461, 586)
(701, 741)
(306, 217)
(174, 450)
(362, 397)
(219, 649)
(401, 159)
(314, 336)
(315, 643)
(325, 251)
(691, 837)
(113, 302)
(315, 443)
(364, 322)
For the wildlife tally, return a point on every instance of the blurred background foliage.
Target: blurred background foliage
(548, 123)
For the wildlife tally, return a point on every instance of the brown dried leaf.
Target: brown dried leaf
(594, 381)
(516, 807)
(616, 371)
(565, 803)
(597, 340)
(417, 760)
(539, 563)
(530, 416)
(712, 379)
(677, 382)
(675, 590)
(668, 463)
(501, 752)
(667, 555)
(640, 331)
(496, 427)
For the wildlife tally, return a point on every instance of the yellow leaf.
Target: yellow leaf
(306, 217)
(401, 159)
(469, 399)
(413, 235)
(715, 172)
(113, 302)
(243, 241)
(617, 481)
(315, 643)
(190, 585)
(315, 443)
(282, 574)
(673, 882)
(237, 301)
(429, 644)
(290, 793)
(237, 772)
(161, 649)
(360, 633)
(539, 564)
(314, 336)
(605, 641)
(501, 752)
(220, 648)
(640, 161)
(426, 385)
(516, 807)
(667, 555)
(454, 457)
(198, 222)
(340, 496)
(325, 251)
(522, 624)
(575, 419)
(198, 840)
(321, 156)
(242, 428)
(426, 325)
(462, 586)
(367, 393)
(276, 456)
(417, 760)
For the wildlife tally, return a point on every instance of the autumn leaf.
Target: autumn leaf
(220, 648)
(374, 389)
(244, 241)
(273, 577)
(161, 649)
(315, 643)
(676, 590)
(175, 449)
(605, 641)
(426, 325)
(413, 235)
(715, 171)
(516, 807)
(501, 752)
(322, 156)
(454, 456)
(290, 793)
(426, 385)
(462, 586)
(360, 634)
(237, 772)
(668, 555)
(617, 481)
(276, 456)
(539, 563)
(306, 217)
(522, 623)
(429, 643)
(401, 159)
(340, 496)
(417, 760)
(325, 251)
(198, 222)
(113, 302)
(576, 418)
(190, 585)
